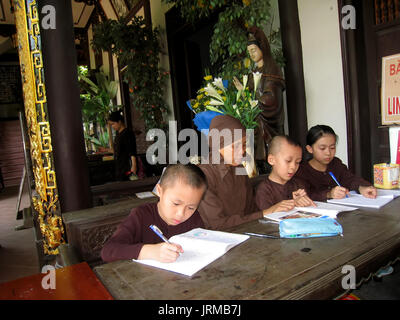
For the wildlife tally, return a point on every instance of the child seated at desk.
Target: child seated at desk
(180, 190)
(321, 144)
(280, 191)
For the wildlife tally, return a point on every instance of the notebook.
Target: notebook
(145, 195)
(385, 192)
(357, 200)
(322, 209)
(201, 247)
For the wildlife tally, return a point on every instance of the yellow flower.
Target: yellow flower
(196, 105)
(208, 78)
(247, 62)
(200, 96)
(246, 2)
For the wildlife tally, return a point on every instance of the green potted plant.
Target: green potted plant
(138, 49)
(97, 103)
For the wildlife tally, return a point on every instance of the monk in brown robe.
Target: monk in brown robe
(229, 199)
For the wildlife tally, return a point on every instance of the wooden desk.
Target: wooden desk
(269, 268)
(77, 282)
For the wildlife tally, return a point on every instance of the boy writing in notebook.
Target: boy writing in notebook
(180, 191)
(279, 191)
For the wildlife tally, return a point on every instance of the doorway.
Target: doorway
(377, 35)
(188, 46)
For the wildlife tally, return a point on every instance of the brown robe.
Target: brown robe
(229, 199)
(269, 193)
(130, 236)
(270, 96)
(319, 183)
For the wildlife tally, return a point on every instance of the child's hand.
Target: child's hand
(338, 193)
(169, 252)
(368, 191)
(304, 201)
(301, 199)
(299, 193)
(163, 252)
(285, 205)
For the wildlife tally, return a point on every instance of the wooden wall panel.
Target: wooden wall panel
(11, 152)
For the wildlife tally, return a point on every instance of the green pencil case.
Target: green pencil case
(309, 228)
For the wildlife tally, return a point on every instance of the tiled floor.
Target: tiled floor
(18, 256)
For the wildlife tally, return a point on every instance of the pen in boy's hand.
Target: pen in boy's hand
(158, 232)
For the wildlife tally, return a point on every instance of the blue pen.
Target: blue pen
(158, 232)
(334, 179)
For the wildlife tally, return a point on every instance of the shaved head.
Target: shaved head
(276, 143)
(188, 174)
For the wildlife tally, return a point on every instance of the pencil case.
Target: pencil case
(309, 228)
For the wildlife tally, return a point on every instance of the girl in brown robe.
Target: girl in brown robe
(229, 199)
(321, 143)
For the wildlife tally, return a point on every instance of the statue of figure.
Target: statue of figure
(269, 92)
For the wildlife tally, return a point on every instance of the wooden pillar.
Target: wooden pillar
(294, 77)
(64, 107)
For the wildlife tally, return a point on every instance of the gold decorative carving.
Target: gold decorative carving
(45, 200)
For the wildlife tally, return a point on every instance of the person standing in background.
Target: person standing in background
(124, 147)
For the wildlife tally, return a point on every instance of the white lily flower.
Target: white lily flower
(257, 77)
(214, 109)
(214, 102)
(211, 91)
(218, 83)
(236, 109)
(245, 79)
(238, 94)
(253, 103)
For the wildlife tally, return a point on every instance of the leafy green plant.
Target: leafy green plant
(239, 103)
(137, 47)
(101, 141)
(228, 47)
(97, 101)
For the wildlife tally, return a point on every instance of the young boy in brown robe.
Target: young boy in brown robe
(280, 191)
(180, 190)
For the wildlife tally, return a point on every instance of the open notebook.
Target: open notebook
(322, 209)
(201, 247)
(357, 200)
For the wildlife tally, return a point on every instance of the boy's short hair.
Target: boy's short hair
(190, 174)
(276, 143)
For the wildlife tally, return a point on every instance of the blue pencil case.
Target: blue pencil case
(309, 228)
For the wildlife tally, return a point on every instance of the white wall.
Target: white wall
(158, 10)
(275, 26)
(323, 73)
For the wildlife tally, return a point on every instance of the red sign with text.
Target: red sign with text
(391, 90)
